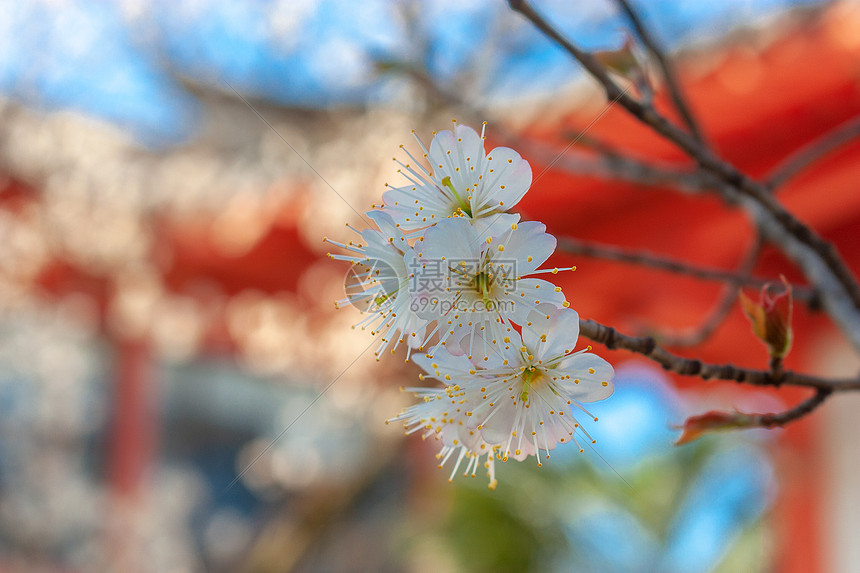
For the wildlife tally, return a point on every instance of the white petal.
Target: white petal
(442, 363)
(494, 225)
(385, 223)
(529, 245)
(453, 240)
(505, 179)
(431, 207)
(458, 157)
(593, 373)
(490, 344)
(417, 331)
(498, 428)
(520, 301)
(561, 330)
(472, 439)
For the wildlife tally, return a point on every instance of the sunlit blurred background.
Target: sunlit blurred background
(178, 393)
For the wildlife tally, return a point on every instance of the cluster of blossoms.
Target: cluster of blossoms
(450, 274)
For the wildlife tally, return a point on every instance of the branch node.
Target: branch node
(610, 338)
(694, 367)
(649, 346)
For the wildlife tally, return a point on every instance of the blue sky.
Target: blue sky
(126, 67)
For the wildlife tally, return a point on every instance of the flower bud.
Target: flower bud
(771, 316)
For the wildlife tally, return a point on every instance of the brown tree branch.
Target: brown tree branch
(648, 347)
(750, 188)
(813, 151)
(799, 411)
(667, 68)
(610, 165)
(612, 253)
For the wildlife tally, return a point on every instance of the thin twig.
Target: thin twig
(813, 151)
(697, 426)
(602, 161)
(667, 68)
(727, 172)
(721, 310)
(647, 346)
(611, 165)
(776, 366)
(799, 411)
(663, 263)
(700, 334)
(644, 258)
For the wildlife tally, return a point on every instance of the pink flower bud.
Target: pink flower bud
(771, 316)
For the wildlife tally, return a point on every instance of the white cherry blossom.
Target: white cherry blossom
(461, 180)
(378, 283)
(523, 398)
(441, 414)
(474, 284)
(452, 274)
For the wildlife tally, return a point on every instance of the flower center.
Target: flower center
(462, 205)
(531, 376)
(483, 284)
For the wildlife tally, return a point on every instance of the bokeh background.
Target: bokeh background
(178, 393)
